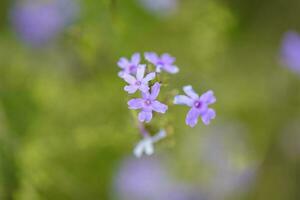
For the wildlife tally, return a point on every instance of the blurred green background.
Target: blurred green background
(64, 124)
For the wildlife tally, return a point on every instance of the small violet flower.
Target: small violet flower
(139, 82)
(199, 106)
(148, 103)
(146, 145)
(165, 62)
(129, 66)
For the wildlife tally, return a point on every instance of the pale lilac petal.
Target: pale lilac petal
(136, 104)
(172, 69)
(145, 116)
(123, 63)
(190, 92)
(140, 72)
(208, 97)
(136, 59)
(146, 95)
(144, 88)
(167, 59)
(192, 117)
(131, 89)
(149, 77)
(149, 149)
(209, 115)
(159, 107)
(129, 79)
(155, 91)
(158, 68)
(183, 100)
(151, 57)
(121, 74)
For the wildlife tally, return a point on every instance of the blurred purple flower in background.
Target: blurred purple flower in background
(199, 105)
(144, 178)
(148, 104)
(159, 8)
(148, 179)
(225, 152)
(290, 51)
(38, 22)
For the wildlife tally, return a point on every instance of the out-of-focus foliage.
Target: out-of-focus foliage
(65, 129)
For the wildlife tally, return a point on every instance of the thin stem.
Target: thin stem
(143, 130)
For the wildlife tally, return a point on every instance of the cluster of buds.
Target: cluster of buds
(145, 79)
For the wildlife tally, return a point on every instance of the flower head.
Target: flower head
(290, 51)
(164, 62)
(146, 145)
(199, 106)
(139, 82)
(148, 103)
(129, 66)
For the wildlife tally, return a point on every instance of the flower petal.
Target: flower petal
(190, 92)
(155, 91)
(149, 77)
(149, 149)
(151, 57)
(140, 72)
(138, 150)
(123, 63)
(208, 116)
(131, 89)
(145, 116)
(172, 69)
(144, 88)
(208, 97)
(159, 107)
(121, 74)
(136, 59)
(183, 100)
(192, 117)
(146, 95)
(129, 79)
(167, 59)
(136, 104)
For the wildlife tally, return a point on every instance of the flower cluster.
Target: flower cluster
(145, 79)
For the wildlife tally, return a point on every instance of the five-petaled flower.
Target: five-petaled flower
(139, 82)
(164, 62)
(199, 105)
(147, 104)
(129, 66)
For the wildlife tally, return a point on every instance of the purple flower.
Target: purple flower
(145, 178)
(160, 8)
(199, 106)
(165, 62)
(290, 51)
(129, 66)
(39, 23)
(148, 103)
(139, 82)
